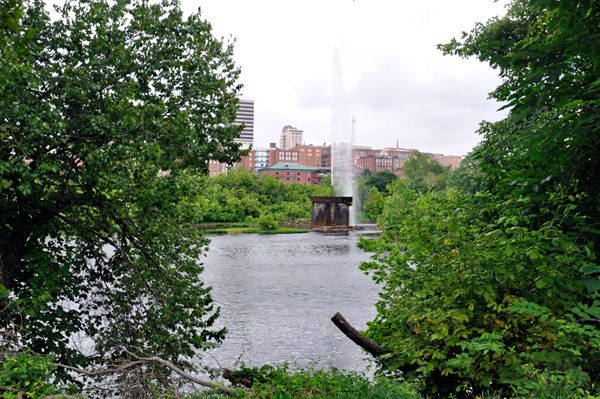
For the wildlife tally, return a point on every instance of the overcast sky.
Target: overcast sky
(398, 85)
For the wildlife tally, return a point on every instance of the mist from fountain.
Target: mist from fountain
(342, 162)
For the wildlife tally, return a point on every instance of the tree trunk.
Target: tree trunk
(10, 257)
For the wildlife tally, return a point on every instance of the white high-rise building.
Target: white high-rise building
(290, 137)
(245, 115)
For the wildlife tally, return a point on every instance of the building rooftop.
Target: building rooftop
(296, 167)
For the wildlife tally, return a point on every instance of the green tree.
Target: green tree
(92, 244)
(476, 299)
(467, 177)
(380, 180)
(366, 173)
(267, 222)
(496, 288)
(425, 173)
(547, 54)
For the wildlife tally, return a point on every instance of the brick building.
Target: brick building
(309, 155)
(373, 163)
(448, 160)
(293, 173)
(277, 155)
(216, 167)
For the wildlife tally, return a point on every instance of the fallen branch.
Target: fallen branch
(359, 339)
(145, 360)
(118, 369)
(367, 344)
(216, 388)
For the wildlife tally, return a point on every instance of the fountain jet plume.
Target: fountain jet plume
(342, 161)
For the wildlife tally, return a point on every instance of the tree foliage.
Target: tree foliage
(467, 177)
(107, 98)
(366, 173)
(380, 180)
(240, 196)
(500, 286)
(547, 53)
(478, 293)
(425, 173)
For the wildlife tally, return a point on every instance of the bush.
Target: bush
(26, 373)
(476, 299)
(288, 381)
(266, 222)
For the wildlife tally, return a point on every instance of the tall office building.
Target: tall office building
(290, 137)
(245, 115)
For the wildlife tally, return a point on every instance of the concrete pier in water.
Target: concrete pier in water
(330, 211)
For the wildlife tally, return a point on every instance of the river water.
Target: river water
(277, 294)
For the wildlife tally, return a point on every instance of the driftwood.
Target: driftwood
(367, 344)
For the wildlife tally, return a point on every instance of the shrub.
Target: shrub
(477, 299)
(266, 222)
(289, 381)
(26, 373)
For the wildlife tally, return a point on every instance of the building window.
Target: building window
(298, 179)
(309, 179)
(288, 173)
(287, 178)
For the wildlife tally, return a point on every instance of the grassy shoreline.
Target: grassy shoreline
(256, 230)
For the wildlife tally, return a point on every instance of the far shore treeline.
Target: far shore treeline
(240, 196)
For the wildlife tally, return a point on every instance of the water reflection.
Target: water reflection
(278, 293)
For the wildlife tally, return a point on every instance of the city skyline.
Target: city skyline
(398, 85)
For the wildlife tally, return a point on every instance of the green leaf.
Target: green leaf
(592, 284)
(591, 269)
(5, 183)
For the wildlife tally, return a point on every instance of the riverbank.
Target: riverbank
(256, 230)
(293, 227)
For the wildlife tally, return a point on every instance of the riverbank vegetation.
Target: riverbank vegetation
(242, 196)
(497, 287)
(256, 230)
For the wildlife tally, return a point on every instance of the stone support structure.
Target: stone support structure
(330, 211)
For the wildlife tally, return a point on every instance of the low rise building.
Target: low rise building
(293, 173)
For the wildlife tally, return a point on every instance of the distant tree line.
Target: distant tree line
(242, 196)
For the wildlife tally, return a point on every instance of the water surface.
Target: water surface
(277, 294)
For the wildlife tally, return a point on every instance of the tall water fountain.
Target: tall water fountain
(342, 162)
